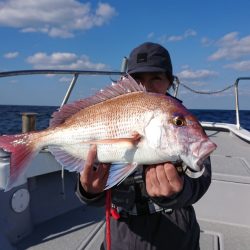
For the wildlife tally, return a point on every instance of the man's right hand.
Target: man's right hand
(94, 176)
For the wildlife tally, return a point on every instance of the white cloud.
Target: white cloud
(57, 18)
(240, 66)
(175, 38)
(195, 75)
(186, 34)
(199, 83)
(205, 41)
(60, 60)
(231, 46)
(11, 55)
(65, 79)
(185, 66)
(150, 35)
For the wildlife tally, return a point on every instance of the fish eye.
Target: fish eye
(179, 121)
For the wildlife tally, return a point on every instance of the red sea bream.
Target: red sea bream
(130, 127)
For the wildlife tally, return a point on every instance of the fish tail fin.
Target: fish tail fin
(22, 150)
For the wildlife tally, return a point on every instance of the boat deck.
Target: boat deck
(62, 222)
(76, 229)
(224, 209)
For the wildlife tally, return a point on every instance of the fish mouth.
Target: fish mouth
(194, 160)
(203, 151)
(200, 161)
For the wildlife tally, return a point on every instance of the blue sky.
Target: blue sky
(209, 42)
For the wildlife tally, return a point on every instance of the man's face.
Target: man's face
(156, 82)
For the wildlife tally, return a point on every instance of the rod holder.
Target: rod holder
(28, 121)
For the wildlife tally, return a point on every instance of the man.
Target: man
(155, 203)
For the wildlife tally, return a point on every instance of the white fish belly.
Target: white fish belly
(110, 153)
(106, 153)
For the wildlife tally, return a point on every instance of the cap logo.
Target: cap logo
(142, 57)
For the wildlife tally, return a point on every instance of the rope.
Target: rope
(107, 211)
(206, 92)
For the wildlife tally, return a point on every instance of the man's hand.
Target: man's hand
(163, 180)
(94, 177)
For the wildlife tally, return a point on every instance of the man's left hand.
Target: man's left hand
(163, 180)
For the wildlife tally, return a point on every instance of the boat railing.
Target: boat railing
(237, 99)
(76, 73)
(177, 84)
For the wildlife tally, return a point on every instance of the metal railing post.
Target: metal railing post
(237, 103)
(124, 64)
(176, 86)
(71, 86)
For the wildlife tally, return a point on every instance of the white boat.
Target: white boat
(43, 212)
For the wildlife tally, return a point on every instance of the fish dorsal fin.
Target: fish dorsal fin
(126, 85)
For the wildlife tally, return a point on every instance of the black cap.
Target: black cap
(150, 57)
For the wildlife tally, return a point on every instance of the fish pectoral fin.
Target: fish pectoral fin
(119, 172)
(136, 137)
(129, 141)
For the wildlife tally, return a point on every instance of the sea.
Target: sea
(11, 117)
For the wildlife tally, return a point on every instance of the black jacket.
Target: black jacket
(175, 229)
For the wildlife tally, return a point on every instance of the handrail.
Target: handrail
(237, 99)
(235, 85)
(58, 71)
(75, 74)
(71, 86)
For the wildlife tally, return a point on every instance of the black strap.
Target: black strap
(141, 202)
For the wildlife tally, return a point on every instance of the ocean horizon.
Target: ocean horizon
(11, 118)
